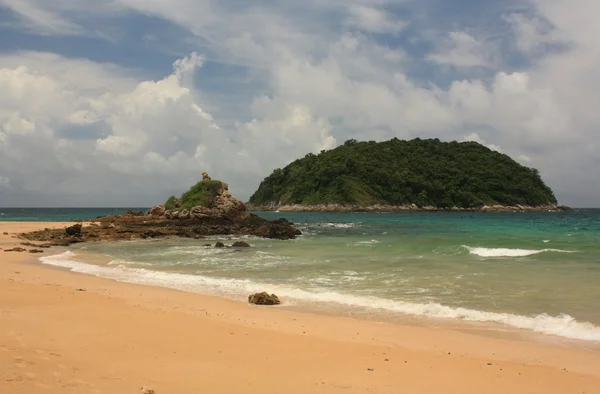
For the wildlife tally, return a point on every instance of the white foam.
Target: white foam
(365, 243)
(506, 252)
(562, 325)
(340, 225)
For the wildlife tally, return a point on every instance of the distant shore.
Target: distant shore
(70, 333)
(401, 208)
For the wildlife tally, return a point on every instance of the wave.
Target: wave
(339, 225)
(365, 243)
(507, 252)
(562, 325)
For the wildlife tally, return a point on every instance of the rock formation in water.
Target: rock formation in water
(206, 209)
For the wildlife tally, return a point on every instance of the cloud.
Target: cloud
(282, 79)
(532, 33)
(474, 137)
(40, 20)
(460, 49)
(4, 182)
(156, 139)
(373, 20)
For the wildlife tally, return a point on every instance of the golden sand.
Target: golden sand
(62, 332)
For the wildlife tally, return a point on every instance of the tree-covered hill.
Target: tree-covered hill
(397, 172)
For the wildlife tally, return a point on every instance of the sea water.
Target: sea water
(534, 271)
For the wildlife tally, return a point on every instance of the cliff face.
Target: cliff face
(400, 175)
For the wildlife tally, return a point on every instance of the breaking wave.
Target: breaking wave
(507, 252)
(562, 325)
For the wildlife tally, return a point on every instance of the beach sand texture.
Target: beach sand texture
(62, 332)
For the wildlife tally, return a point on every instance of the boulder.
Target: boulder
(73, 230)
(205, 176)
(240, 244)
(278, 229)
(263, 298)
(219, 245)
(158, 210)
(184, 214)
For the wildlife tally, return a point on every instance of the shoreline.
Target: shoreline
(105, 339)
(383, 208)
(504, 324)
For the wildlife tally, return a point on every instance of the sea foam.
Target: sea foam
(562, 325)
(507, 252)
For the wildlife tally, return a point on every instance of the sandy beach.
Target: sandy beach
(62, 332)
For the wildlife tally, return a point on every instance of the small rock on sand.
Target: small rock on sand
(147, 390)
(264, 298)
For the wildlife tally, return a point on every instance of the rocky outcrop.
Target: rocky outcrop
(17, 249)
(205, 177)
(222, 203)
(219, 214)
(240, 244)
(263, 298)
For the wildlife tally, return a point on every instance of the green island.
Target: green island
(420, 174)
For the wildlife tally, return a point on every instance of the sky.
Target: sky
(126, 102)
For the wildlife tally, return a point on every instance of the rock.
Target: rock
(184, 214)
(279, 229)
(147, 390)
(240, 244)
(36, 251)
(219, 245)
(5, 233)
(263, 299)
(205, 177)
(17, 249)
(73, 230)
(158, 210)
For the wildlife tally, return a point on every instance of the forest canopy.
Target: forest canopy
(397, 172)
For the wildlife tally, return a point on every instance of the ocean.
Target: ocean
(530, 272)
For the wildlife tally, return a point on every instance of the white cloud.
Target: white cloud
(314, 74)
(41, 20)
(460, 49)
(373, 20)
(474, 137)
(532, 33)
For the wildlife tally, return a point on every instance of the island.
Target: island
(207, 209)
(399, 175)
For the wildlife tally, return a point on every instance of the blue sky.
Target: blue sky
(121, 102)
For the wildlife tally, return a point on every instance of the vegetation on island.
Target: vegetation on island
(397, 172)
(201, 194)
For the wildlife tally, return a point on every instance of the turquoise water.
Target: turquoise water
(533, 271)
(58, 214)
